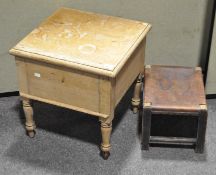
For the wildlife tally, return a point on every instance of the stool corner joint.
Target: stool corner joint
(147, 104)
(148, 66)
(203, 107)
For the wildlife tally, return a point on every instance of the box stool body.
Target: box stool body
(170, 90)
(82, 61)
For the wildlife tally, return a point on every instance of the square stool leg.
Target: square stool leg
(201, 129)
(146, 125)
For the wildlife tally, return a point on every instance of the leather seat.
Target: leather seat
(170, 88)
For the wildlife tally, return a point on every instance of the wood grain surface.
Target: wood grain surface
(84, 38)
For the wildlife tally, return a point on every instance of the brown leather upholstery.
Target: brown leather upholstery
(174, 88)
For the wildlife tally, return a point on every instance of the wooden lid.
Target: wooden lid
(82, 39)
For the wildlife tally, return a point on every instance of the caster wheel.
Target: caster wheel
(31, 134)
(135, 110)
(105, 154)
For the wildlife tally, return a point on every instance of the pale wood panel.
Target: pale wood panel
(85, 38)
(105, 91)
(104, 116)
(63, 85)
(107, 98)
(58, 62)
(107, 94)
(130, 71)
(21, 73)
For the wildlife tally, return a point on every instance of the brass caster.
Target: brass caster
(105, 154)
(31, 134)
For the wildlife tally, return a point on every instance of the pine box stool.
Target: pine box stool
(82, 61)
(174, 91)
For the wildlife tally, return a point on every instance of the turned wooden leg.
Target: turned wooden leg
(136, 97)
(30, 124)
(105, 145)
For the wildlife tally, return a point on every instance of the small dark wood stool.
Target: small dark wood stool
(170, 90)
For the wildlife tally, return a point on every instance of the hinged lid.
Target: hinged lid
(85, 39)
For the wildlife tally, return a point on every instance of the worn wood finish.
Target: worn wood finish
(82, 61)
(177, 88)
(172, 140)
(44, 80)
(92, 41)
(184, 98)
